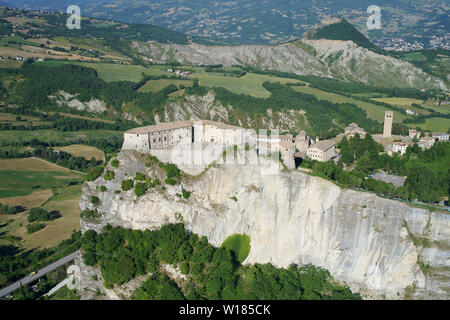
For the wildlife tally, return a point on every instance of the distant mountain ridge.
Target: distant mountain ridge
(265, 22)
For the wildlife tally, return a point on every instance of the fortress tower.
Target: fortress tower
(388, 117)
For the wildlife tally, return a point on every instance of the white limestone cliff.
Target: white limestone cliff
(291, 217)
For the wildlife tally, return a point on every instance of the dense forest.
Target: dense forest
(322, 115)
(214, 273)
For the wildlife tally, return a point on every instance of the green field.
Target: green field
(56, 135)
(399, 101)
(239, 244)
(157, 85)
(250, 84)
(415, 56)
(433, 124)
(373, 111)
(22, 183)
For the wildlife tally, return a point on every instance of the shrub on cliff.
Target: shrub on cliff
(171, 181)
(109, 175)
(171, 170)
(115, 163)
(127, 184)
(186, 194)
(140, 189)
(95, 200)
(140, 176)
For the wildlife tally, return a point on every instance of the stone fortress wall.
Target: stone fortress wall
(166, 139)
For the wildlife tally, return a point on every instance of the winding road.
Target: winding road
(39, 274)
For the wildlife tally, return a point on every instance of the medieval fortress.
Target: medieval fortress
(183, 141)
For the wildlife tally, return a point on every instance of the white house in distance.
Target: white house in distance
(322, 151)
(399, 147)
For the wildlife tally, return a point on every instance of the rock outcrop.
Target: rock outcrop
(379, 247)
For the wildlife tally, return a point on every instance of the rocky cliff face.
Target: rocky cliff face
(377, 246)
(328, 58)
(207, 107)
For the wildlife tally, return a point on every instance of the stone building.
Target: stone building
(426, 142)
(302, 141)
(388, 118)
(322, 151)
(353, 129)
(166, 135)
(441, 136)
(412, 133)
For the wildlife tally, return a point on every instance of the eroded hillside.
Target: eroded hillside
(329, 58)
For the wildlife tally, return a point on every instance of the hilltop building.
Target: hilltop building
(322, 151)
(353, 129)
(388, 118)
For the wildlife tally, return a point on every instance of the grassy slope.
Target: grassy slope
(373, 111)
(20, 177)
(87, 152)
(433, 124)
(240, 244)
